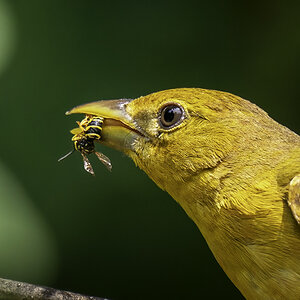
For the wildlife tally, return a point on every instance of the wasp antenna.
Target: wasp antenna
(65, 156)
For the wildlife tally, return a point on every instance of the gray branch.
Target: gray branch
(15, 290)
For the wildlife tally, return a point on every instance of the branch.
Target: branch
(15, 290)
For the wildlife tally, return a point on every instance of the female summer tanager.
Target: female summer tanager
(234, 170)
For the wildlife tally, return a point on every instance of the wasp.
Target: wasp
(88, 131)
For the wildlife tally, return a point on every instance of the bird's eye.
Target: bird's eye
(171, 115)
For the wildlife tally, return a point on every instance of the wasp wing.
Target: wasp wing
(87, 165)
(104, 159)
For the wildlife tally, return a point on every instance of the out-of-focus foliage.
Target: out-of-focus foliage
(27, 245)
(7, 35)
(27, 250)
(118, 235)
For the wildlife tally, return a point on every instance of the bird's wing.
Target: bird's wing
(294, 197)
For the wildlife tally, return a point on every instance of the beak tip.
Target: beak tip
(73, 110)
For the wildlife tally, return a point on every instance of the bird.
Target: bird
(233, 169)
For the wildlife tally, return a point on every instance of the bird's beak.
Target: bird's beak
(118, 129)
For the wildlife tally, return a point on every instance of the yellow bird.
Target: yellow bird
(233, 169)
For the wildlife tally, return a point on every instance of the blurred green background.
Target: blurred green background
(117, 235)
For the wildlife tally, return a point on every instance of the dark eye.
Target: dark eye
(171, 115)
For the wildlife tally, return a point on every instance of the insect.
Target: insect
(88, 130)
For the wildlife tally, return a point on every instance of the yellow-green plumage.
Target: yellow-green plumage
(229, 165)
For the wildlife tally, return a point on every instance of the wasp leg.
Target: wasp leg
(104, 159)
(87, 165)
(76, 131)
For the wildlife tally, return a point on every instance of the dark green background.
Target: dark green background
(118, 235)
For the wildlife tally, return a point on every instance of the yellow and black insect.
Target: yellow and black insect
(88, 130)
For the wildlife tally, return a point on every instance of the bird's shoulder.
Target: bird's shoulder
(294, 197)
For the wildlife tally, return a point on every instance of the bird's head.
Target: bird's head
(174, 134)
